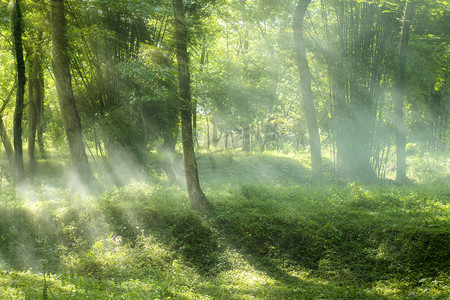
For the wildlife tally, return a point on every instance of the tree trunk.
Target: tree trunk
(40, 92)
(21, 80)
(3, 133)
(208, 139)
(215, 135)
(31, 110)
(246, 146)
(400, 132)
(6, 142)
(305, 84)
(66, 99)
(36, 96)
(196, 196)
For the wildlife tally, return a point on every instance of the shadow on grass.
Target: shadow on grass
(184, 232)
(355, 242)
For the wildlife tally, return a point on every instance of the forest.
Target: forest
(224, 149)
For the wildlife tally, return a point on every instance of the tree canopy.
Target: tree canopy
(245, 85)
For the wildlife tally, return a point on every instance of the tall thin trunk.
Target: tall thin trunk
(196, 196)
(208, 139)
(400, 132)
(21, 81)
(305, 84)
(246, 137)
(31, 110)
(6, 142)
(195, 104)
(66, 99)
(3, 133)
(36, 95)
(215, 135)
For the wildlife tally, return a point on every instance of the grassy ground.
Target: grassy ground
(273, 235)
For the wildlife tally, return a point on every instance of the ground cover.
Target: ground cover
(273, 234)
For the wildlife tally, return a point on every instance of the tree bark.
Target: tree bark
(36, 98)
(6, 142)
(196, 195)
(400, 131)
(21, 81)
(305, 85)
(69, 113)
(3, 133)
(246, 145)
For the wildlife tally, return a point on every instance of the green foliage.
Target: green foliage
(268, 238)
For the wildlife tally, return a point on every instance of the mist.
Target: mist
(224, 149)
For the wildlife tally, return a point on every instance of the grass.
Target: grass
(273, 235)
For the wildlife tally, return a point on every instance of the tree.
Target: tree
(400, 131)
(36, 99)
(21, 80)
(69, 113)
(305, 85)
(3, 133)
(196, 195)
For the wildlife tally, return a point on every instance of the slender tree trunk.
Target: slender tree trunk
(305, 84)
(6, 142)
(3, 133)
(196, 196)
(215, 135)
(21, 81)
(36, 93)
(66, 99)
(195, 104)
(208, 140)
(31, 110)
(400, 132)
(40, 92)
(246, 137)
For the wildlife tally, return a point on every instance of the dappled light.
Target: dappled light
(251, 149)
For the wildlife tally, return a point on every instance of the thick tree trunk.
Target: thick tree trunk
(21, 81)
(66, 99)
(196, 196)
(305, 84)
(400, 132)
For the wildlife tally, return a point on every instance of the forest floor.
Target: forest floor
(273, 234)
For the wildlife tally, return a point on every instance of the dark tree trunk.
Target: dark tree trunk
(6, 142)
(3, 133)
(21, 81)
(400, 132)
(36, 95)
(66, 99)
(196, 196)
(305, 84)
(36, 100)
(31, 111)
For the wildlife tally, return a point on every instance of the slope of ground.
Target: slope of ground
(273, 235)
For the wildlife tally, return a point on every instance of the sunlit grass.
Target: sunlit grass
(274, 234)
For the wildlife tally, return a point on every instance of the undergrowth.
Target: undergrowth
(266, 239)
